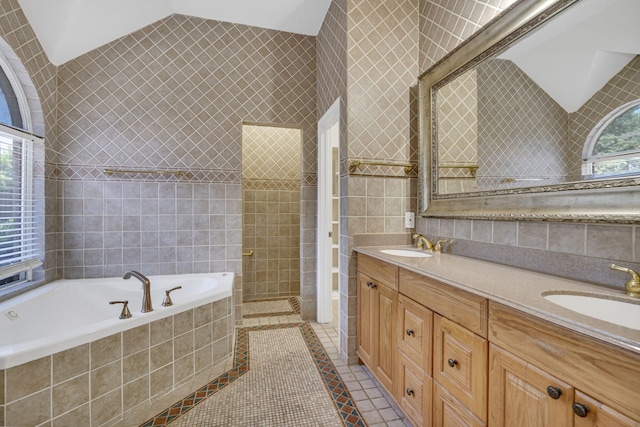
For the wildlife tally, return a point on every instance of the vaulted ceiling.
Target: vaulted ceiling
(69, 28)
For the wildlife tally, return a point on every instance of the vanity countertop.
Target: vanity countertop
(517, 288)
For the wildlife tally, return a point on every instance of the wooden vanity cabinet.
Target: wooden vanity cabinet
(414, 334)
(528, 355)
(460, 364)
(449, 412)
(377, 311)
(525, 396)
(598, 414)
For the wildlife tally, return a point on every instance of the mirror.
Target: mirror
(537, 117)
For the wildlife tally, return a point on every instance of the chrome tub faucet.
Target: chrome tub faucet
(146, 289)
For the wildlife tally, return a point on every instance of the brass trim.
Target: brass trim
(408, 167)
(143, 171)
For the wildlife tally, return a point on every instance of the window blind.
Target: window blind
(19, 238)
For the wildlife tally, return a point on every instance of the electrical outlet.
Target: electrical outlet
(409, 220)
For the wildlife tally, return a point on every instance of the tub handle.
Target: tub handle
(125, 309)
(166, 302)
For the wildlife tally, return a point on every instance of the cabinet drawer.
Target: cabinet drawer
(414, 391)
(415, 332)
(448, 412)
(460, 364)
(379, 270)
(466, 309)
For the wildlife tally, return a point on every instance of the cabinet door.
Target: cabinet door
(460, 364)
(414, 391)
(415, 332)
(522, 395)
(448, 412)
(386, 305)
(366, 320)
(598, 415)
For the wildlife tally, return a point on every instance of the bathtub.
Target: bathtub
(67, 313)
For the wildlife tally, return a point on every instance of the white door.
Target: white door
(328, 210)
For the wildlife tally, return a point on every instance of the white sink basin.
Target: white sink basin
(406, 253)
(619, 312)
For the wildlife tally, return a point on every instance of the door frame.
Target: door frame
(324, 240)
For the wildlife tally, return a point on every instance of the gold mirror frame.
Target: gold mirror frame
(606, 200)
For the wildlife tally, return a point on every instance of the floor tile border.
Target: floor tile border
(341, 397)
(293, 301)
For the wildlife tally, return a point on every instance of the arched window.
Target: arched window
(613, 146)
(20, 231)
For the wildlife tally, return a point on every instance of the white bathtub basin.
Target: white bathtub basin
(620, 312)
(406, 253)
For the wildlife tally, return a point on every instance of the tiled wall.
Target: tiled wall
(457, 118)
(581, 251)
(270, 211)
(367, 56)
(172, 96)
(95, 384)
(510, 143)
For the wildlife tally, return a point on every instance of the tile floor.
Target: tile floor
(373, 402)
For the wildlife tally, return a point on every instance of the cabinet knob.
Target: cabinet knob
(370, 284)
(410, 392)
(580, 409)
(452, 362)
(409, 332)
(373, 286)
(554, 392)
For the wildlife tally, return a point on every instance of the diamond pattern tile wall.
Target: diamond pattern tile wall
(510, 143)
(382, 67)
(270, 153)
(457, 120)
(174, 94)
(444, 24)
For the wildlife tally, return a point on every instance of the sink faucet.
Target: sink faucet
(146, 289)
(422, 241)
(633, 284)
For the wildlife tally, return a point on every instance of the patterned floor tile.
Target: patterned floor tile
(288, 380)
(271, 307)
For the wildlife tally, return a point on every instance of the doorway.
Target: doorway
(328, 268)
(271, 171)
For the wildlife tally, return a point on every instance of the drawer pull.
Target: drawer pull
(554, 392)
(409, 332)
(580, 409)
(452, 362)
(410, 392)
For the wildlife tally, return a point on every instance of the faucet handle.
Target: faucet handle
(633, 284)
(166, 302)
(125, 314)
(438, 246)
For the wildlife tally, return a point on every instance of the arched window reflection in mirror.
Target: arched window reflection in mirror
(613, 146)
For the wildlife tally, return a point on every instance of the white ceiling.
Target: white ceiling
(69, 28)
(575, 54)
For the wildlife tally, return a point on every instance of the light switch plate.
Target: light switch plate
(409, 220)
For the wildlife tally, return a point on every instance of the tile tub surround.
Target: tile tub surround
(98, 383)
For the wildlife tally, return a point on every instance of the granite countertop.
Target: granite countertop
(517, 288)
